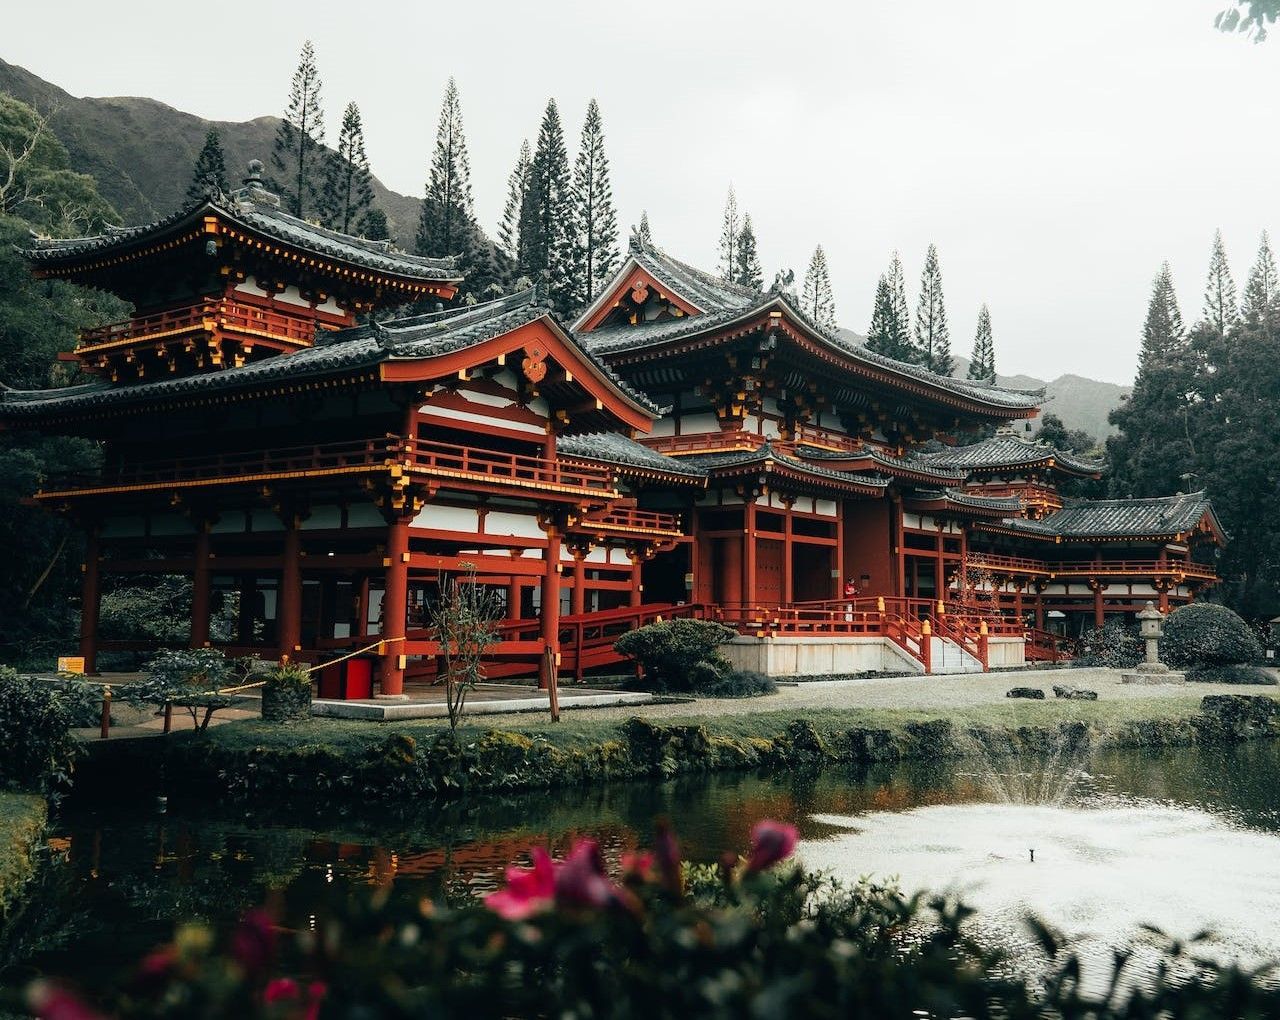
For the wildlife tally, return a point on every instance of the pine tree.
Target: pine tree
(376, 227)
(933, 335)
(817, 301)
(1163, 332)
(1261, 296)
(982, 362)
(348, 184)
(1220, 308)
(517, 183)
(729, 231)
(210, 170)
(747, 268)
(881, 337)
(446, 225)
(900, 313)
(545, 253)
(594, 221)
(299, 148)
(643, 232)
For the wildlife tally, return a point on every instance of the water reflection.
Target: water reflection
(1183, 837)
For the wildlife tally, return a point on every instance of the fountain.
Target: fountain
(1152, 671)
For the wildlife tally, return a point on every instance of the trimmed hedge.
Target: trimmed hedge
(1115, 645)
(286, 696)
(1204, 634)
(1234, 674)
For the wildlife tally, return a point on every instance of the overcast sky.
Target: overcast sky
(1055, 152)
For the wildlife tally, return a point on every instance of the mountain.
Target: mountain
(1081, 403)
(141, 151)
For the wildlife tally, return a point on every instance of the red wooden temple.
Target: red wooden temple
(687, 447)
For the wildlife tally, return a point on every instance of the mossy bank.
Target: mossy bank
(356, 761)
(22, 822)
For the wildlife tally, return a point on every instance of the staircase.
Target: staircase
(949, 657)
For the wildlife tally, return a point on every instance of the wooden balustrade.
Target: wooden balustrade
(631, 520)
(1088, 568)
(225, 315)
(704, 442)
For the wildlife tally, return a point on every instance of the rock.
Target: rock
(1034, 693)
(1074, 693)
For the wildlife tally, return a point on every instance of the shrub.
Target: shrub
(190, 679)
(740, 683)
(678, 655)
(1204, 634)
(286, 695)
(1234, 674)
(37, 750)
(1115, 644)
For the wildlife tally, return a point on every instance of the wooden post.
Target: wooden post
(395, 609)
(550, 609)
(91, 600)
(362, 608)
(637, 580)
(289, 599)
(788, 580)
(200, 587)
(104, 729)
(578, 596)
(514, 609)
(1098, 615)
(749, 552)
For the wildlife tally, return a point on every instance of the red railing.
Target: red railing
(704, 442)
(629, 519)
(1045, 646)
(448, 460)
(811, 435)
(229, 316)
(1039, 494)
(1059, 568)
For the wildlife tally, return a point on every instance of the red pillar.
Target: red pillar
(395, 608)
(788, 578)
(637, 581)
(200, 588)
(1098, 615)
(90, 600)
(731, 569)
(514, 608)
(550, 609)
(1039, 611)
(289, 599)
(749, 553)
(837, 582)
(579, 595)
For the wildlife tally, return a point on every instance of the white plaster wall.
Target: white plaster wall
(1006, 651)
(784, 657)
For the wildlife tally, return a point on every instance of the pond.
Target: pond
(1186, 839)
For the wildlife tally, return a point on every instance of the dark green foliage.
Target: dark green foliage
(1221, 311)
(816, 300)
(347, 192)
(210, 171)
(1249, 16)
(1236, 674)
(735, 683)
(982, 360)
(890, 330)
(190, 679)
(595, 224)
(1204, 634)
(375, 225)
(37, 750)
(1115, 644)
(730, 230)
(299, 153)
(933, 335)
(1055, 433)
(286, 695)
(517, 185)
(545, 253)
(747, 270)
(678, 655)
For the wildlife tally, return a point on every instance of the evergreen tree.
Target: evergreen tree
(299, 148)
(748, 271)
(594, 220)
(881, 334)
(446, 225)
(982, 362)
(545, 253)
(210, 170)
(643, 232)
(1220, 309)
(900, 317)
(817, 301)
(730, 228)
(1162, 332)
(348, 184)
(376, 227)
(933, 335)
(1258, 302)
(517, 183)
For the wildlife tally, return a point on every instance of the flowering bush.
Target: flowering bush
(739, 938)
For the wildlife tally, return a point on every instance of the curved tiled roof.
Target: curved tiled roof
(424, 336)
(1009, 452)
(710, 462)
(1158, 517)
(622, 451)
(896, 465)
(969, 501)
(700, 288)
(256, 211)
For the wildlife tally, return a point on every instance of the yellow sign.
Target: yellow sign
(71, 664)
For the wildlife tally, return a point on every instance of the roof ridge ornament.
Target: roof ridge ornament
(255, 190)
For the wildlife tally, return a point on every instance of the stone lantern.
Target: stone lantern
(1152, 670)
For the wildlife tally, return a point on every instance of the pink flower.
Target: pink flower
(254, 942)
(50, 1002)
(637, 867)
(529, 890)
(281, 990)
(771, 842)
(580, 880)
(157, 964)
(316, 992)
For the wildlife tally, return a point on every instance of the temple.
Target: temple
(685, 447)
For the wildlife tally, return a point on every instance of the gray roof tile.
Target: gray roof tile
(1159, 517)
(615, 448)
(1008, 451)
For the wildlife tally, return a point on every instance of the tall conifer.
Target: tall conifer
(933, 335)
(1260, 301)
(881, 334)
(348, 184)
(595, 223)
(748, 270)
(1220, 308)
(900, 312)
(210, 170)
(517, 183)
(545, 253)
(1162, 332)
(446, 225)
(299, 150)
(816, 300)
(730, 228)
(982, 362)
